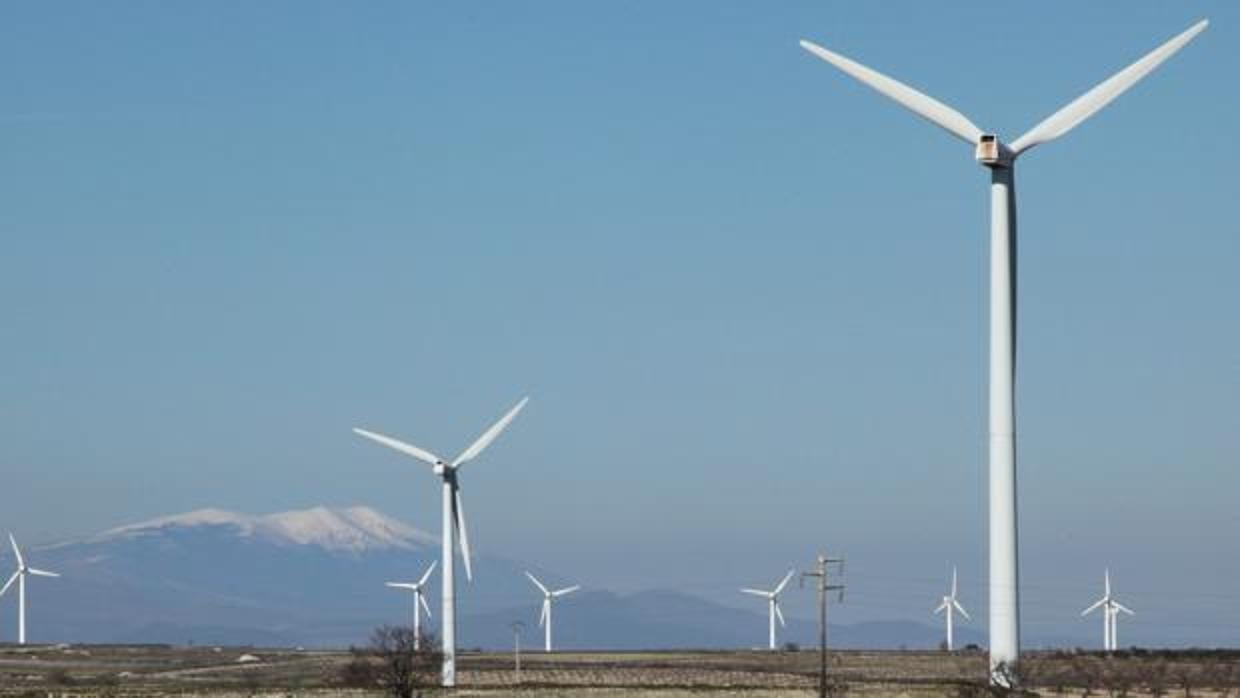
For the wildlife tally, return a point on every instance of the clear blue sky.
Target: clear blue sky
(746, 295)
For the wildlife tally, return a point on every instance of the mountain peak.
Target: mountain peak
(352, 529)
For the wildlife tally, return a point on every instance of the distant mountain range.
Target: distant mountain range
(314, 578)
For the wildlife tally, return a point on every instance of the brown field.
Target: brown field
(160, 670)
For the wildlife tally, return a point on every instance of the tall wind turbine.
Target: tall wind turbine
(453, 522)
(1110, 614)
(20, 577)
(772, 605)
(544, 618)
(1000, 158)
(949, 604)
(419, 603)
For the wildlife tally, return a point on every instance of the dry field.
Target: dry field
(159, 670)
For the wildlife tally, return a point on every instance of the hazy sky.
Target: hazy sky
(745, 294)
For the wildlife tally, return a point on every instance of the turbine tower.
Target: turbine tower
(1110, 614)
(544, 618)
(772, 606)
(20, 577)
(1000, 158)
(419, 603)
(949, 604)
(453, 522)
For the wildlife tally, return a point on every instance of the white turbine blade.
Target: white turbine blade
(941, 607)
(783, 583)
(427, 574)
(537, 583)
(425, 607)
(542, 617)
(10, 582)
(1106, 577)
(780, 615)
(953, 583)
(1097, 603)
(961, 609)
(566, 590)
(17, 551)
(1123, 608)
(757, 592)
(458, 517)
(1083, 107)
(401, 585)
(924, 106)
(488, 436)
(408, 449)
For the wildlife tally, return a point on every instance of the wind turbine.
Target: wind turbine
(1110, 614)
(544, 618)
(20, 577)
(950, 605)
(419, 603)
(772, 603)
(1000, 158)
(453, 522)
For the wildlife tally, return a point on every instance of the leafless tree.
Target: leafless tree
(391, 663)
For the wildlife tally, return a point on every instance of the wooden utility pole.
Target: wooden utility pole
(823, 585)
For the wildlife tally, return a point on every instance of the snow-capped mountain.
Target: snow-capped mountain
(355, 529)
(315, 578)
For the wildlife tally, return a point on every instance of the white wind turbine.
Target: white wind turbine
(772, 604)
(1110, 614)
(1000, 158)
(949, 604)
(453, 522)
(419, 603)
(20, 577)
(544, 618)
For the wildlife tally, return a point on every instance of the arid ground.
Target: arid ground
(161, 670)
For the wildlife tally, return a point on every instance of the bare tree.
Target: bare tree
(391, 663)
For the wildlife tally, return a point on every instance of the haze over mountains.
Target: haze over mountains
(315, 578)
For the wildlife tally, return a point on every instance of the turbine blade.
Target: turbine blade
(401, 585)
(537, 583)
(425, 607)
(1123, 608)
(1086, 105)
(757, 592)
(427, 574)
(408, 449)
(566, 590)
(542, 617)
(1097, 603)
(462, 535)
(941, 607)
(924, 106)
(10, 582)
(17, 551)
(488, 436)
(953, 583)
(780, 615)
(784, 582)
(961, 609)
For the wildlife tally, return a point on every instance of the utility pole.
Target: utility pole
(821, 570)
(516, 626)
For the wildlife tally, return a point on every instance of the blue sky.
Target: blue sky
(746, 295)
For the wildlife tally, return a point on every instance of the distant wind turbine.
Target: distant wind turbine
(20, 577)
(1000, 158)
(453, 522)
(419, 603)
(949, 605)
(544, 618)
(1110, 615)
(772, 603)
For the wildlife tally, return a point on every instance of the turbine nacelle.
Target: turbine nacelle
(992, 152)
